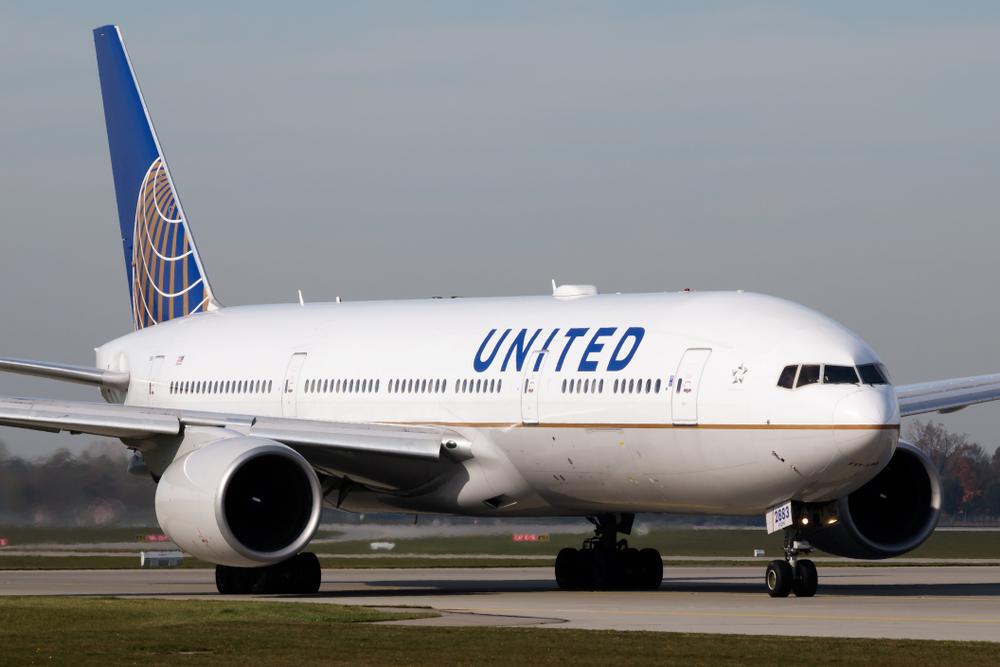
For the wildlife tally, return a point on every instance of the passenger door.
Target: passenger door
(154, 375)
(531, 385)
(684, 401)
(289, 390)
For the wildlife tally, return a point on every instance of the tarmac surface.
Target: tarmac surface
(953, 603)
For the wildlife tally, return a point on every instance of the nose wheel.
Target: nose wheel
(794, 574)
(606, 563)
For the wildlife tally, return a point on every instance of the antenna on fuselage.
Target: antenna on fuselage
(301, 300)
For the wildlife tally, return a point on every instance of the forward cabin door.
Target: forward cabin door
(684, 402)
(531, 386)
(154, 376)
(289, 390)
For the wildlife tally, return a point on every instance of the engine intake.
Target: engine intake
(889, 516)
(240, 501)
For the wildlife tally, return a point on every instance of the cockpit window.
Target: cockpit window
(808, 375)
(839, 375)
(787, 377)
(873, 374)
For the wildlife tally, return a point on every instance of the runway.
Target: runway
(955, 603)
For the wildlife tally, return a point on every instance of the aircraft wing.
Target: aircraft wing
(946, 396)
(389, 456)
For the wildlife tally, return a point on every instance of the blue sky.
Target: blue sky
(842, 156)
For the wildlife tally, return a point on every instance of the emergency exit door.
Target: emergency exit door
(531, 384)
(290, 388)
(684, 403)
(154, 377)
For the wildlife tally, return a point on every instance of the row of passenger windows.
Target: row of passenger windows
(338, 386)
(220, 387)
(401, 386)
(577, 386)
(806, 374)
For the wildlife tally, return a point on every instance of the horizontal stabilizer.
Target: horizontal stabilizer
(97, 377)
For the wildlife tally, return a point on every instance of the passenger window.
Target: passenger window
(498, 384)
(616, 387)
(648, 385)
(656, 387)
(423, 387)
(269, 386)
(492, 385)
(563, 386)
(631, 385)
(839, 375)
(808, 375)
(586, 385)
(600, 387)
(787, 377)
(376, 386)
(870, 374)
(464, 385)
(444, 386)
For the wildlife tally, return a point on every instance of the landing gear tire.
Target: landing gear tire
(631, 568)
(583, 573)
(779, 579)
(225, 580)
(300, 574)
(566, 569)
(605, 569)
(806, 579)
(650, 569)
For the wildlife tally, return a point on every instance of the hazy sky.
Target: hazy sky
(839, 155)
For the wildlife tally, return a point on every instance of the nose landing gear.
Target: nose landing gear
(606, 563)
(794, 574)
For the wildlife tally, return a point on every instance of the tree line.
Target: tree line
(970, 476)
(88, 489)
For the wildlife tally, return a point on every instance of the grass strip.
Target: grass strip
(103, 631)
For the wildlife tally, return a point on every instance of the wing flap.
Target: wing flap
(947, 395)
(405, 441)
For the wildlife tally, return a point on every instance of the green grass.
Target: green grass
(83, 563)
(18, 535)
(74, 631)
(726, 543)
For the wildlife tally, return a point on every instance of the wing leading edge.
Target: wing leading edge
(946, 396)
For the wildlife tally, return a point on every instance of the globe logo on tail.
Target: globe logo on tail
(166, 279)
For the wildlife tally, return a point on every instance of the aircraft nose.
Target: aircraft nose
(866, 426)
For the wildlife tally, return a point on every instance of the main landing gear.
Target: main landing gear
(299, 574)
(606, 563)
(794, 574)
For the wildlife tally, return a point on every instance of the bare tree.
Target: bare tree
(936, 442)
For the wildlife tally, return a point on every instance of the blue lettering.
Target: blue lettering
(522, 349)
(481, 365)
(572, 334)
(594, 348)
(617, 364)
(548, 341)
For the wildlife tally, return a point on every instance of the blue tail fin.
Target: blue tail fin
(166, 276)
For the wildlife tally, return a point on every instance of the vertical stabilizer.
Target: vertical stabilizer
(165, 273)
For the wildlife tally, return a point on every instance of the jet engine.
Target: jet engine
(892, 514)
(240, 501)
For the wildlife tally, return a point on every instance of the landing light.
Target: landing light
(831, 521)
(805, 521)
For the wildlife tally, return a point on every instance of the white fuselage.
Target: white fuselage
(728, 440)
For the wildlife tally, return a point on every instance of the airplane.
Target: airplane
(252, 419)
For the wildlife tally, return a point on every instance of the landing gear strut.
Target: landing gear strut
(299, 574)
(605, 562)
(794, 574)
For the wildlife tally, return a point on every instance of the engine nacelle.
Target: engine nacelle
(240, 501)
(889, 516)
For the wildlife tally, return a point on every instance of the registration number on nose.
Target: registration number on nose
(778, 517)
